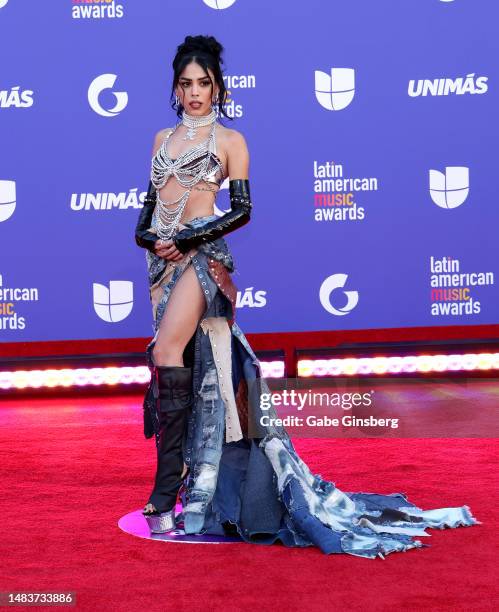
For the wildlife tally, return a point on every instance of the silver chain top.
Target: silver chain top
(189, 168)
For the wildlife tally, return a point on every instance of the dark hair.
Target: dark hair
(207, 52)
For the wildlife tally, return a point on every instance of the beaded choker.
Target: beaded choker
(192, 122)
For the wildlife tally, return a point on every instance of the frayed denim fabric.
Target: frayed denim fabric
(249, 475)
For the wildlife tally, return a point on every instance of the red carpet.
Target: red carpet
(72, 468)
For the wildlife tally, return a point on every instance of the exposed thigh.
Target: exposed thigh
(184, 309)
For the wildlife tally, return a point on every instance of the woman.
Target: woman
(202, 405)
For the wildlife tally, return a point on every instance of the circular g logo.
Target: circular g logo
(97, 86)
(335, 281)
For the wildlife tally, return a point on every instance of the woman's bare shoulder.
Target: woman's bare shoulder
(230, 134)
(160, 136)
(236, 150)
(231, 139)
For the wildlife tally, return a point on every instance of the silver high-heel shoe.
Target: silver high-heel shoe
(161, 522)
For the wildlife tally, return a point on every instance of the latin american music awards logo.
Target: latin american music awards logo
(10, 299)
(96, 9)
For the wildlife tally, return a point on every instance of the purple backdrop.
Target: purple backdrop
(372, 131)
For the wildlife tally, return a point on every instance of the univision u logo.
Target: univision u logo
(115, 303)
(219, 4)
(335, 91)
(7, 199)
(450, 189)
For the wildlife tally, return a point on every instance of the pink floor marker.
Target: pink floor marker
(135, 524)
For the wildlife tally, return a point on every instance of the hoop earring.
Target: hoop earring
(214, 105)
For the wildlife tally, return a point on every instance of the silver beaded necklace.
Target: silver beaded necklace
(192, 122)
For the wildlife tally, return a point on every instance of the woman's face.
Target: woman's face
(195, 90)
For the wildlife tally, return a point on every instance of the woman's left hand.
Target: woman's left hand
(168, 250)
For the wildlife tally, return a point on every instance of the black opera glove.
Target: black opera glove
(143, 238)
(239, 215)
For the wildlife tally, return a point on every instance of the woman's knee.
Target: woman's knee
(168, 353)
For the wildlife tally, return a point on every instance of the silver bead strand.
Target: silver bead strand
(167, 219)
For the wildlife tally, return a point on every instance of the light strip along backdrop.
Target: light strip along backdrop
(372, 129)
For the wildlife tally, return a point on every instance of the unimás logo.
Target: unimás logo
(335, 91)
(219, 4)
(96, 9)
(450, 189)
(7, 199)
(100, 84)
(16, 97)
(251, 299)
(333, 283)
(108, 200)
(133, 198)
(113, 303)
(447, 86)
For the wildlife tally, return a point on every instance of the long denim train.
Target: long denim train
(248, 474)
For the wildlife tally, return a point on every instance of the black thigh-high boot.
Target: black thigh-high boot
(174, 402)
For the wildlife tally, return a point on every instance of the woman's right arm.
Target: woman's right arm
(143, 237)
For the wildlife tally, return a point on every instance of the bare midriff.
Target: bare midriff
(201, 200)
